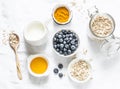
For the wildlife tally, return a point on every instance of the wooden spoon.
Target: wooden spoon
(14, 43)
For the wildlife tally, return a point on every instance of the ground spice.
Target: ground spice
(61, 14)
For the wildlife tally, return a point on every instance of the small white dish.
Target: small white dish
(74, 79)
(29, 60)
(36, 33)
(58, 6)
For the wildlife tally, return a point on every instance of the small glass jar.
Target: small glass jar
(101, 28)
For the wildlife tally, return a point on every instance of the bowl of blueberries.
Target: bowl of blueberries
(65, 43)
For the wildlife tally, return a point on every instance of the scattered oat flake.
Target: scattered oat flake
(73, 3)
(85, 51)
(5, 36)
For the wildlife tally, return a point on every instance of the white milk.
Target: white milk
(35, 32)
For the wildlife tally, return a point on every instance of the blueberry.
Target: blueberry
(63, 36)
(56, 35)
(65, 53)
(55, 70)
(59, 36)
(54, 39)
(64, 42)
(55, 46)
(61, 46)
(64, 49)
(70, 38)
(54, 43)
(76, 45)
(60, 33)
(66, 46)
(63, 31)
(70, 35)
(61, 40)
(69, 32)
(73, 47)
(69, 51)
(57, 49)
(67, 35)
(60, 75)
(73, 42)
(66, 39)
(70, 44)
(58, 45)
(60, 66)
(61, 52)
(74, 37)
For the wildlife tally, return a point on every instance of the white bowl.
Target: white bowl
(74, 79)
(29, 60)
(28, 33)
(62, 5)
(67, 56)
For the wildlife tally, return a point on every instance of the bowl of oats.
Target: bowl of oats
(79, 70)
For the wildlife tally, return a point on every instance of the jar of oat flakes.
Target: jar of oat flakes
(101, 28)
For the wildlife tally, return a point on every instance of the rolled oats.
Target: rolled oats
(102, 25)
(80, 70)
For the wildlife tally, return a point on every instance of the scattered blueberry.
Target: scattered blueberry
(55, 70)
(60, 66)
(60, 75)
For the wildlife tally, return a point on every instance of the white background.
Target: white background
(16, 14)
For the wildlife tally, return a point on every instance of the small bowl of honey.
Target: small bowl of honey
(38, 65)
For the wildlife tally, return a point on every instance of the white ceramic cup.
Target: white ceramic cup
(29, 60)
(74, 79)
(36, 33)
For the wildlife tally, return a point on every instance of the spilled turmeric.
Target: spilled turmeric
(61, 14)
(39, 65)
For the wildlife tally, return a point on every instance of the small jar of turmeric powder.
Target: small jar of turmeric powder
(62, 14)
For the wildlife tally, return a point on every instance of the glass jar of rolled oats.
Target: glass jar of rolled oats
(101, 27)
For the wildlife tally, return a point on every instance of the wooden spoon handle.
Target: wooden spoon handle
(18, 67)
(18, 71)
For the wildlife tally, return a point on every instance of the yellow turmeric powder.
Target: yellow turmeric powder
(39, 65)
(61, 14)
